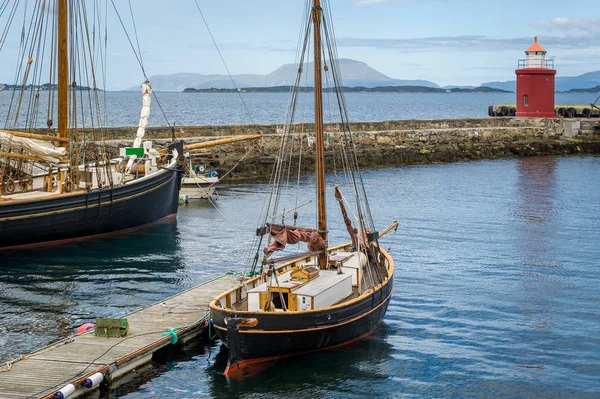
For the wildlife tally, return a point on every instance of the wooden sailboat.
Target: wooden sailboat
(331, 295)
(72, 189)
(63, 184)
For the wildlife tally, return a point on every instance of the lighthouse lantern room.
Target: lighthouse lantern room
(535, 84)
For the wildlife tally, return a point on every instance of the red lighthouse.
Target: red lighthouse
(535, 84)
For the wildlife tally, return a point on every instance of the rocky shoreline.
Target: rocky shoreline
(390, 143)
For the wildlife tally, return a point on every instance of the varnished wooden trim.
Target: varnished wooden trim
(36, 136)
(317, 328)
(390, 270)
(14, 155)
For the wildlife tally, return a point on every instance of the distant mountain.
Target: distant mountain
(563, 83)
(354, 73)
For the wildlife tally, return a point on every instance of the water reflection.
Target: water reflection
(45, 293)
(537, 214)
(361, 368)
(536, 186)
(136, 250)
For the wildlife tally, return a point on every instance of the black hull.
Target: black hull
(84, 215)
(277, 335)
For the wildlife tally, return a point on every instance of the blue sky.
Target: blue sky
(448, 42)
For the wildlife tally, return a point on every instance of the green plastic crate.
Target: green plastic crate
(113, 328)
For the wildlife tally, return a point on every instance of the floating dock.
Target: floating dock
(175, 320)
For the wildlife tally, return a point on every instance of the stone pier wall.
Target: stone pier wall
(388, 143)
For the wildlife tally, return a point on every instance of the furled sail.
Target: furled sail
(42, 149)
(144, 117)
(351, 230)
(283, 235)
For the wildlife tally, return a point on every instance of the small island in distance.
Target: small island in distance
(588, 90)
(42, 87)
(358, 89)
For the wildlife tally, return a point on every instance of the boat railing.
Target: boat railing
(543, 64)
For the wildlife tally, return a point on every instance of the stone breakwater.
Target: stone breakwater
(389, 143)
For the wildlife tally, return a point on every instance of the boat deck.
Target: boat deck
(243, 304)
(70, 361)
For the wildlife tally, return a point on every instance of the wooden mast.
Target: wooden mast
(63, 72)
(317, 13)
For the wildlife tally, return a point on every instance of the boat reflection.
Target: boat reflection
(369, 358)
(155, 247)
(46, 293)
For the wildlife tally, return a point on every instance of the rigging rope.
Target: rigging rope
(139, 59)
(224, 63)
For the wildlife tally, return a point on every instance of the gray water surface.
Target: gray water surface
(181, 109)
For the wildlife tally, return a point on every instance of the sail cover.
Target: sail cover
(144, 117)
(42, 149)
(283, 235)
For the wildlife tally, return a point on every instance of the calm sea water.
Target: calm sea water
(496, 288)
(181, 109)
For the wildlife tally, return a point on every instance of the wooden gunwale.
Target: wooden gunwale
(215, 303)
(253, 331)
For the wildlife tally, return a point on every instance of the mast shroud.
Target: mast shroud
(63, 71)
(317, 13)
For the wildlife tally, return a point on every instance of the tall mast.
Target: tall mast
(317, 13)
(63, 71)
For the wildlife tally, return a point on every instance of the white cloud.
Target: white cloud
(570, 40)
(565, 24)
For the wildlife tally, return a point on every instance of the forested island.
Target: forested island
(589, 90)
(44, 87)
(358, 89)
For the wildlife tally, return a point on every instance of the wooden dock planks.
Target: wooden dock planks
(45, 371)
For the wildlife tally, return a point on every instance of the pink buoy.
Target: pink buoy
(85, 327)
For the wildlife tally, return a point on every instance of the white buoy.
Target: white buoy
(65, 392)
(94, 380)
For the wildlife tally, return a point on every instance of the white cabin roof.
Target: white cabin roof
(326, 280)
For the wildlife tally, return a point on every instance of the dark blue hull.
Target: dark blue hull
(81, 215)
(279, 335)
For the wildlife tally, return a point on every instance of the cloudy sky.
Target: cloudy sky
(462, 42)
